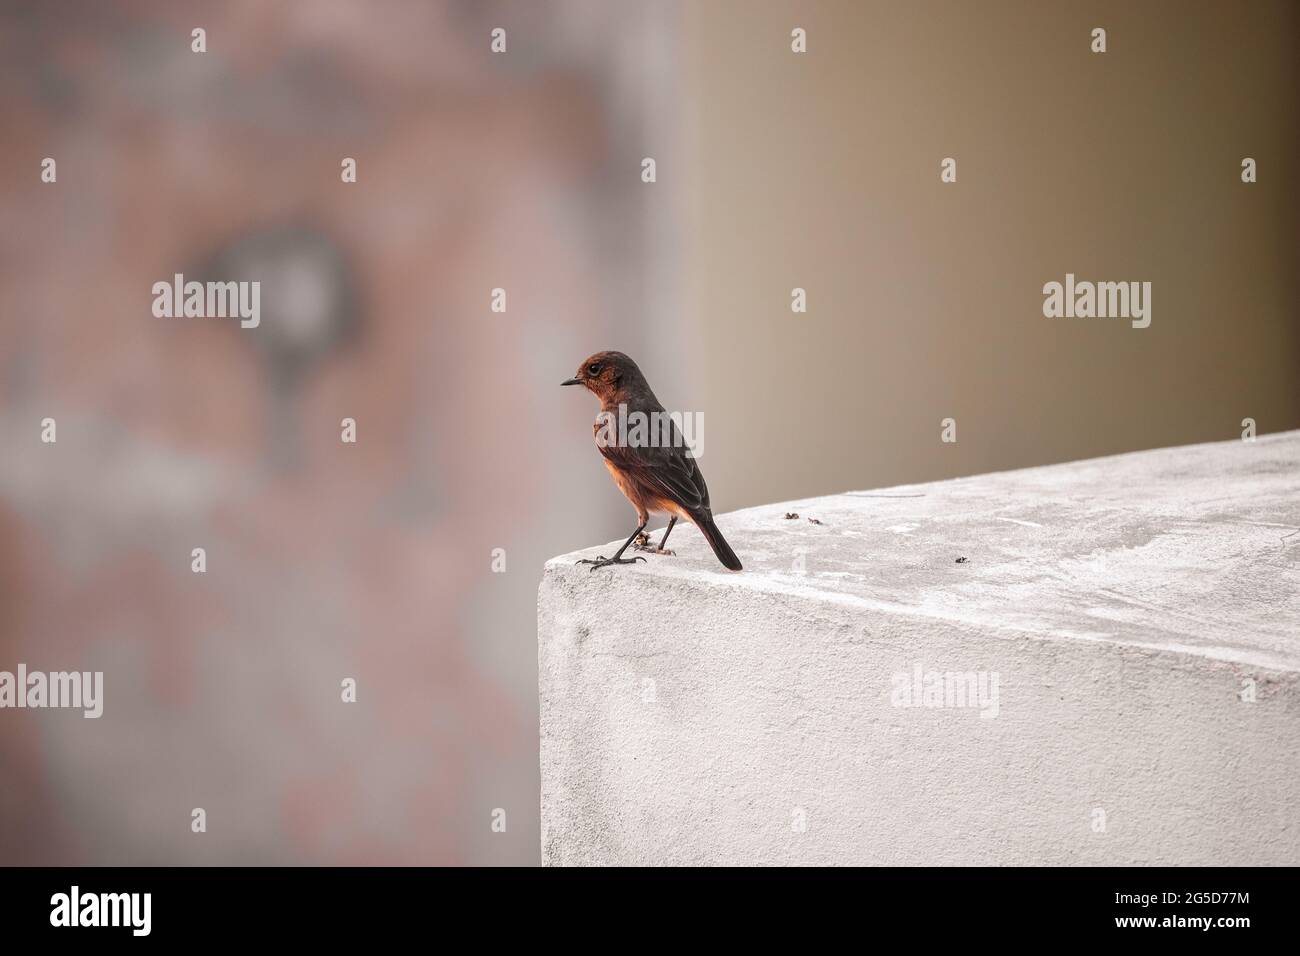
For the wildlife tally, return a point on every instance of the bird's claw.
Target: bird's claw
(642, 542)
(652, 549)
(601, 561)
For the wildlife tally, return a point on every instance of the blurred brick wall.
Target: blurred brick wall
(325, 560)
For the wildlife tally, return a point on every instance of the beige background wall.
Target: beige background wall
(822, 171)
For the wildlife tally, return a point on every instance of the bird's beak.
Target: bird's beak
(572, 381)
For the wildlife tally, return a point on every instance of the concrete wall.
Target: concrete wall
(1133, 620)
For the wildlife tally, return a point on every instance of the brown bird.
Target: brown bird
(656, 475)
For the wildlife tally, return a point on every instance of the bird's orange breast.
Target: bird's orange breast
(642, 498)
(626, 484)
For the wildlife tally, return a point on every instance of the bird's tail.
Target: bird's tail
(717, 542)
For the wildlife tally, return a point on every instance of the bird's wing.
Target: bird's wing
(668, 470)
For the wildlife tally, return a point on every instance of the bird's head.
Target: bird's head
(605, 374)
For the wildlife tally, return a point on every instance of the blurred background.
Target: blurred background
(522, 171)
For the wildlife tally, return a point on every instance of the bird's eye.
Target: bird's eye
(593, 369)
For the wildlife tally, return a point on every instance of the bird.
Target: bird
(654, 475)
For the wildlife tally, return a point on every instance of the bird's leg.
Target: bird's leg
(601, 561)
(667, 531)
(643, 542)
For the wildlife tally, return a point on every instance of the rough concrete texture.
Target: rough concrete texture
(1141, 613)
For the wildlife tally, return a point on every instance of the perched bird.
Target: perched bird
(655, 475)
